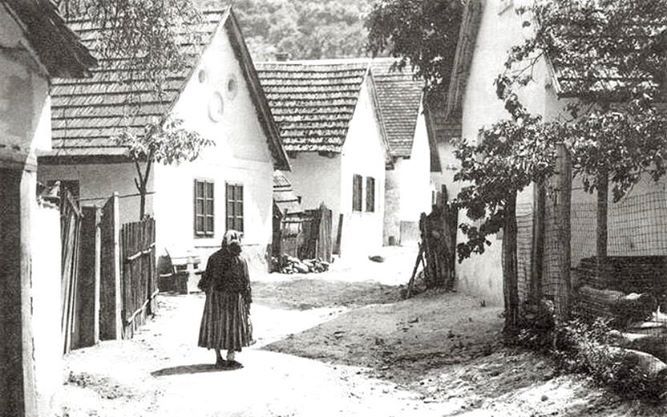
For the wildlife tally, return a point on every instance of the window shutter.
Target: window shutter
(370, 194)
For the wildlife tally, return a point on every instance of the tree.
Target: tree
(510, 155)
(147, 41)
(422, 33)
(612, 55)
(163, 143)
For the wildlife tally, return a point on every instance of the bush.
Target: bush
(583, 346)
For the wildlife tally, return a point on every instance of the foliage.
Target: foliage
(585, 347)
(149, 40)
(166, 143)
(423, 33)
(509, 156)
(610, 54)
(303, 29)
(144, 37)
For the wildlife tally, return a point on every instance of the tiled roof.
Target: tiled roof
(399, 96)
(88, 114)
(313, 101)
(284, 197)
(59, 49)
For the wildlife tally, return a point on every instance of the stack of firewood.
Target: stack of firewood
(291, 265)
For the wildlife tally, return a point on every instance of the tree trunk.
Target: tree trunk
(509, 261)
(602, 209)
(142, 203)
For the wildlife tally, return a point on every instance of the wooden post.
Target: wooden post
(111, 324)
(564, 287)
(89, 279)
(510, 265)
(17, 365)
(602, 209)
(537, 257)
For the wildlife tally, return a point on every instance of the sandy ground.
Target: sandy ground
(334, 344)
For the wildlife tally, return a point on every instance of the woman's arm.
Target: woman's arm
(247, 294)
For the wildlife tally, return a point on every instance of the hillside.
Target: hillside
(305, 29)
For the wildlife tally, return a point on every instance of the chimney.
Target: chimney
(282, 56)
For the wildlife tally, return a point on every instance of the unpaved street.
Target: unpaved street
(336, 344)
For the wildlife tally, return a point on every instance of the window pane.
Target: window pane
(209, 225)
(209, 207)
(199, 189)
(199, 206)
(209, 190)
(199, 224)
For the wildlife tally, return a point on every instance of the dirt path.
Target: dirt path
(337, 344)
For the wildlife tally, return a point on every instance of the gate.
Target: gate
(138, 278)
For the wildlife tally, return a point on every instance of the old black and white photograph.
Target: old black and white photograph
(333, 208)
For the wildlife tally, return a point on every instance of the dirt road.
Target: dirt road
(337, 344)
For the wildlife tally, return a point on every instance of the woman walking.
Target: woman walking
(225, 323)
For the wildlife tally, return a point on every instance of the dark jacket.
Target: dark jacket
(226, 272)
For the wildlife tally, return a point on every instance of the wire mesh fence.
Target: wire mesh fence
(627, 286)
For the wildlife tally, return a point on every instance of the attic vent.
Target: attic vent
(232, 87)
(216, 107)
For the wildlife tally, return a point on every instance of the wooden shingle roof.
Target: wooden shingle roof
(313, 101)
(399, 96)
(88, 114)
(283, 196)
(59, 49)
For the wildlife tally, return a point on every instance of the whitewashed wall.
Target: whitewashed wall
(316, 179)
(415, 182)
(499, 31)
(97, 182)
(46, 304)
(241, 156)
(25, 111)
(363, 154)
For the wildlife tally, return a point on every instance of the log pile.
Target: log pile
(291, 265)
(624, 308)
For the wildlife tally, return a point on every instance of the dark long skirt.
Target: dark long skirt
(225, 323)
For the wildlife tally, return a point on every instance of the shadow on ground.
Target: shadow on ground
(187, 369)
(318, 292)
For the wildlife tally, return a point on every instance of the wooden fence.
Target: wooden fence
(317, 230)
(70, 228)
(139, 279)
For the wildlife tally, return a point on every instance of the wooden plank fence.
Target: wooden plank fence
(317, 230)
(139, 274)
(70, 228)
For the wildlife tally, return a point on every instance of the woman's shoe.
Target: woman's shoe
(221, 363)
(233, 365)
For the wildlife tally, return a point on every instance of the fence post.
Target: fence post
(111, 324)
(89, 279)
(564, 287)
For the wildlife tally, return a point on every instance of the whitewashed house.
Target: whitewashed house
(35, 47)
(219, 96)
(327, 115)
(636, 223)
(409, 188)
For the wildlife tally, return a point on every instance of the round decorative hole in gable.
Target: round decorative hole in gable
(216, 107)
(232, 87)
(202, 76)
